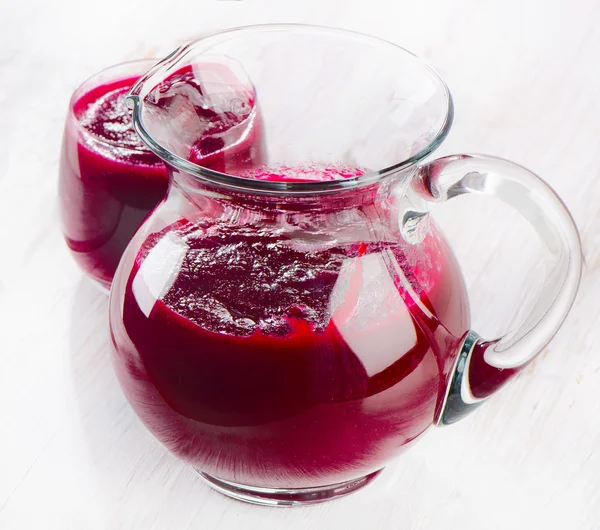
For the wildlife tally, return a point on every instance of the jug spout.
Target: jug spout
(199, 114)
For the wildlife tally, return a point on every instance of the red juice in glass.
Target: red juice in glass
(109, 180)
(265, 359)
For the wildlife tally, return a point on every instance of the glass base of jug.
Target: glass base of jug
(286, 497)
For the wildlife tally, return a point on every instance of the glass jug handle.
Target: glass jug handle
(483, 366)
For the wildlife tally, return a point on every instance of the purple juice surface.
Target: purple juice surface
(280, 361)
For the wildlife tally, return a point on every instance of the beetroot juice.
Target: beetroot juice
(286, 350)
(110, 181)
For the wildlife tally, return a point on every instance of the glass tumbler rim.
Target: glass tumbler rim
(90, 83)
(281, 188)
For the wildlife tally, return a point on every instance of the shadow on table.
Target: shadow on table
(124, 465)
(117, 442)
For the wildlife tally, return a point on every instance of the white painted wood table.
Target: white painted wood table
(526, 81)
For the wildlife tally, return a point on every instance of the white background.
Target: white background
(525, 76)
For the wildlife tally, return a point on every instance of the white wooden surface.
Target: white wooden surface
(526, 81)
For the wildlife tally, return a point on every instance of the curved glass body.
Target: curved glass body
(285, 349)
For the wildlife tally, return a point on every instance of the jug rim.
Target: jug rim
(238, 183)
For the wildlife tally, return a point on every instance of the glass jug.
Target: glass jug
(289, 328)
